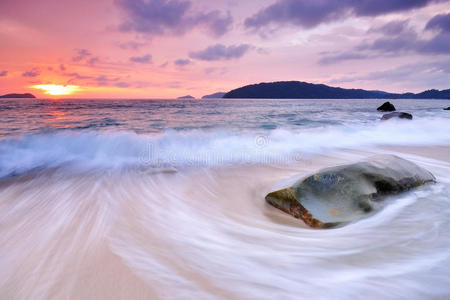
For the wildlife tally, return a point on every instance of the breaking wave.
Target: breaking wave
(92, 149)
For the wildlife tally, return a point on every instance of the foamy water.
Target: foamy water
(180, 214)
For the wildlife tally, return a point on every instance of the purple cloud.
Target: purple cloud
(32, 73)
(391, 28)
(220, 71)
(220, 52)
(309, 14)
(77, 76)
(182, 62)
(62, 67)
(408, 40)
(440, 23)
(131, 45)
(101, 80)
(398, 37)
(404, 40)
(81, 54)
(122, 84)
(93, 60)
(141, 59)
(439, 44)
(3, 73)
(105, 80)
(381, 7)
(214, 22)
(173, 16)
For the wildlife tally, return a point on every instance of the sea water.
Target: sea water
(164, 199)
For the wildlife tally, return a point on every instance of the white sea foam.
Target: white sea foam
(208, 234)
(207, 148)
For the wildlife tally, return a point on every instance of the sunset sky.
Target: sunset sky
(166, 49)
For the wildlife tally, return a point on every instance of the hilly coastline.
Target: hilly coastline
(186, 97)
(26, 95)
(305, 90)
(214, 96)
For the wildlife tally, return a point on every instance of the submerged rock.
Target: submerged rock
(387, 106)
(347, 193)
(399, 115)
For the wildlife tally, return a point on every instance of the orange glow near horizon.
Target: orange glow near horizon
(57, 90)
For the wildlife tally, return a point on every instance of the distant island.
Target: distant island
(186, 97)
(305, 90)
(26, 95)
(214, 96)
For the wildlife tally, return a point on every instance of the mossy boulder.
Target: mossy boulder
(342, 194)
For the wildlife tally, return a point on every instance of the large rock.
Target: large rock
(397, 115)
(448, 108)
(347, 193)
(387, 106)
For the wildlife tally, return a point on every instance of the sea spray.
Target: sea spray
(200, 148)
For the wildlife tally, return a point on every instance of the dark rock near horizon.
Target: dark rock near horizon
(25, 95)
(448, 108)
(304, 90)
(399, 115)
(186, 97)
(214, 96)
(387, 106)
(342, 194)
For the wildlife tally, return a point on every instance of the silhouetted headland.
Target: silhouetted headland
(26, 95)
(305, 90)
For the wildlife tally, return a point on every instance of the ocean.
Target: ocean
(164, 199)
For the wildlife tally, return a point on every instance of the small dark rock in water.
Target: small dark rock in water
(400, 115)
(448, 108)
(343, 194)
(387, 106)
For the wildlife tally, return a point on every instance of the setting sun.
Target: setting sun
(57, 90)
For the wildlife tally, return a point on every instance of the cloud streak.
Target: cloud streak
(32, 73)
(331, 59)
(182, 62)
(141, 59)
(410, 75)
(220, 52)
(81, 54)
(3, 73)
